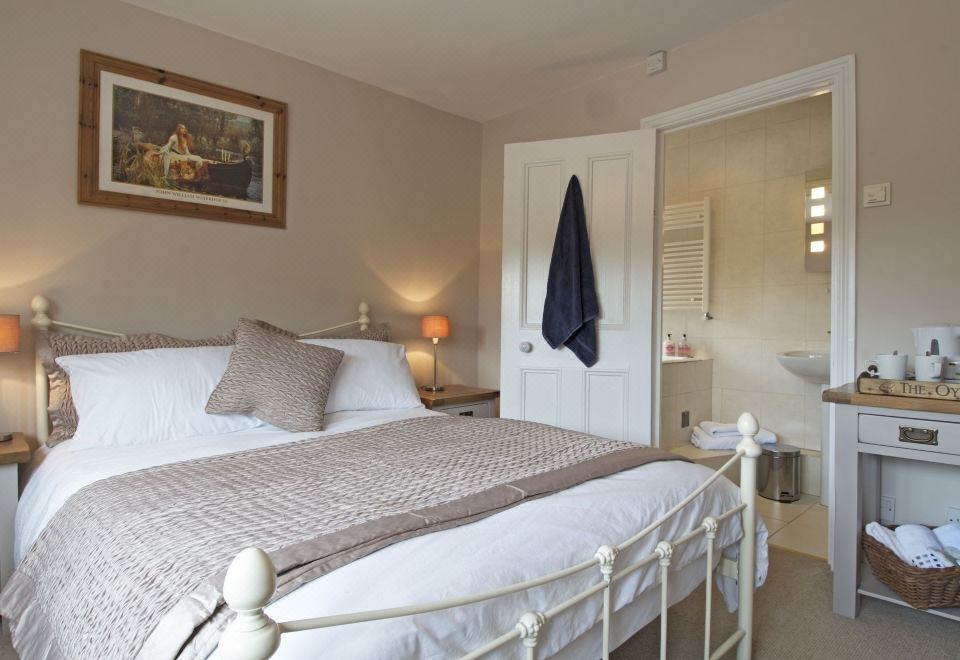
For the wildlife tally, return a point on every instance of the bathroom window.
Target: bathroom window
(818, 215)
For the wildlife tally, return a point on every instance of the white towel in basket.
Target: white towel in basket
(921, 546)
(704, 440)
(949, 537)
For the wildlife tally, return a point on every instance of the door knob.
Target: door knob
(526, 347)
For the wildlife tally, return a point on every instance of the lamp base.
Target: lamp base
(432, 388)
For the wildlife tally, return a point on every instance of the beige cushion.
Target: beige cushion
(278, 379)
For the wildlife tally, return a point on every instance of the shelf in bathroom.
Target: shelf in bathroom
(674, 360)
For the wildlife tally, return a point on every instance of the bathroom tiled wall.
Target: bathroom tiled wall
(684, 386)
(753, 169)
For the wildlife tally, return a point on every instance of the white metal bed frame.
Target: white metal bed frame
(251, 578)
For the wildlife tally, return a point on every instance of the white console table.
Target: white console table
(870, 427)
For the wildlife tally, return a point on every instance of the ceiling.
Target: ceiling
(479, 59)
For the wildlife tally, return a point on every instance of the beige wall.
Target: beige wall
(383, 201)
(762, 300)
(907, 100)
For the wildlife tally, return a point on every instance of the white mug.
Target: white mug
(889, 365)
(929, 367)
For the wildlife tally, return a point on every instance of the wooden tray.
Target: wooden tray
(945, 391)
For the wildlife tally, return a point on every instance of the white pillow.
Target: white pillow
(150, 396)
(374, 375)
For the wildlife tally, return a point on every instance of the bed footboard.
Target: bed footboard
(251, 580)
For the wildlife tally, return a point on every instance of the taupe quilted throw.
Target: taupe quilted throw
(132, 566)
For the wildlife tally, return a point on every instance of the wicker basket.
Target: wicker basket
(922, 588)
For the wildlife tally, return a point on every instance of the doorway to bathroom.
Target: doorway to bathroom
(755, 218)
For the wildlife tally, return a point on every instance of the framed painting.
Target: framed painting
(155, 141)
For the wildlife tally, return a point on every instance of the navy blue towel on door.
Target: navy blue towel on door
(570, 309)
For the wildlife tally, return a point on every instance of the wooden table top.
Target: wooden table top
(454, 394)
(847, 395)
(15, 451)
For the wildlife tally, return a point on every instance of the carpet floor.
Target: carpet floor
(793, 621)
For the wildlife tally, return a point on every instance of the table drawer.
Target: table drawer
(479, 409)
(910, 433)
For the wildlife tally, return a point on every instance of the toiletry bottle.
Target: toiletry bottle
(669, 348)
(683, 348)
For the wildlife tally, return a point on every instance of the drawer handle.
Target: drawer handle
(469, 413)
(918, 436)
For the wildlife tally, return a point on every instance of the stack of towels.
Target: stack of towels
(921, 546)
(715, 435)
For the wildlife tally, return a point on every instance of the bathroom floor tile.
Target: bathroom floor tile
(773, 525)
(807, 534)
(785, 511)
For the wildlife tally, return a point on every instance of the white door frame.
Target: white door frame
(838, 77)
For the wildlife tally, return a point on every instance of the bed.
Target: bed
(569, 573)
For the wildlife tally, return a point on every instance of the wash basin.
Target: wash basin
(813, 366)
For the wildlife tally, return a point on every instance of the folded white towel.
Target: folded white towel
(886, 536)
(704, 440)
(949, 537)
(921, 547)
(719, 428)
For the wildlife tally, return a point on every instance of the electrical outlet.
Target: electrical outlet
(684, 419)
(888, 508)
(953, 514)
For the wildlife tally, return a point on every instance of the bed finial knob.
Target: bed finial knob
(748, 427)
(247, 588)
(529, 627)
(40, 306)
(364, 319)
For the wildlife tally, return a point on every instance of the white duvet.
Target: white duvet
(531, 539)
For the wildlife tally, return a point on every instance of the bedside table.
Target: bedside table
(12, 453)
(462, 400)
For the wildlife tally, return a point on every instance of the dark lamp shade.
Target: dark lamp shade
(435, 327)
(9, 333)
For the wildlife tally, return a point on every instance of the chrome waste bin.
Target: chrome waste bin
(778, 473)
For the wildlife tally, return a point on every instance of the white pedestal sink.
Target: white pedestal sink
(813, 366)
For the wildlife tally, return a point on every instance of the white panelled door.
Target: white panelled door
(613, 398)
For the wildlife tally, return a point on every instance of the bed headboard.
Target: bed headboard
(42, 321)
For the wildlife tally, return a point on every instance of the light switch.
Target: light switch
(656, 62)
(876, 194)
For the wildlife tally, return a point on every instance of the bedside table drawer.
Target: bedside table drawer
(910, 433)
(480, 409)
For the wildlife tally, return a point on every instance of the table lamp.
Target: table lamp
(9, 343)
(435, 328)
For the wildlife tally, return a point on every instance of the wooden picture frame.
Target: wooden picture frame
(137, 151)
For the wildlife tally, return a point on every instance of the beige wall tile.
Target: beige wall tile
(747, 122)
(739, 313)
(787, 148)
(706, 132)
(745, 157)
(783, 203)
(783, 258)
(669, 379)
(676, 139)
(675, 175)
(821, 140)
(734, 403)
(742, 263)
(821, 105)
(743, 210)
(783, 414)
(812, 420)
(706, 165)
(784, 312)
(787, 112)
(818, 313)
(740, 368)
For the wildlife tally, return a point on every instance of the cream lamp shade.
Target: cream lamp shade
(435, 327)
(9, 333)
